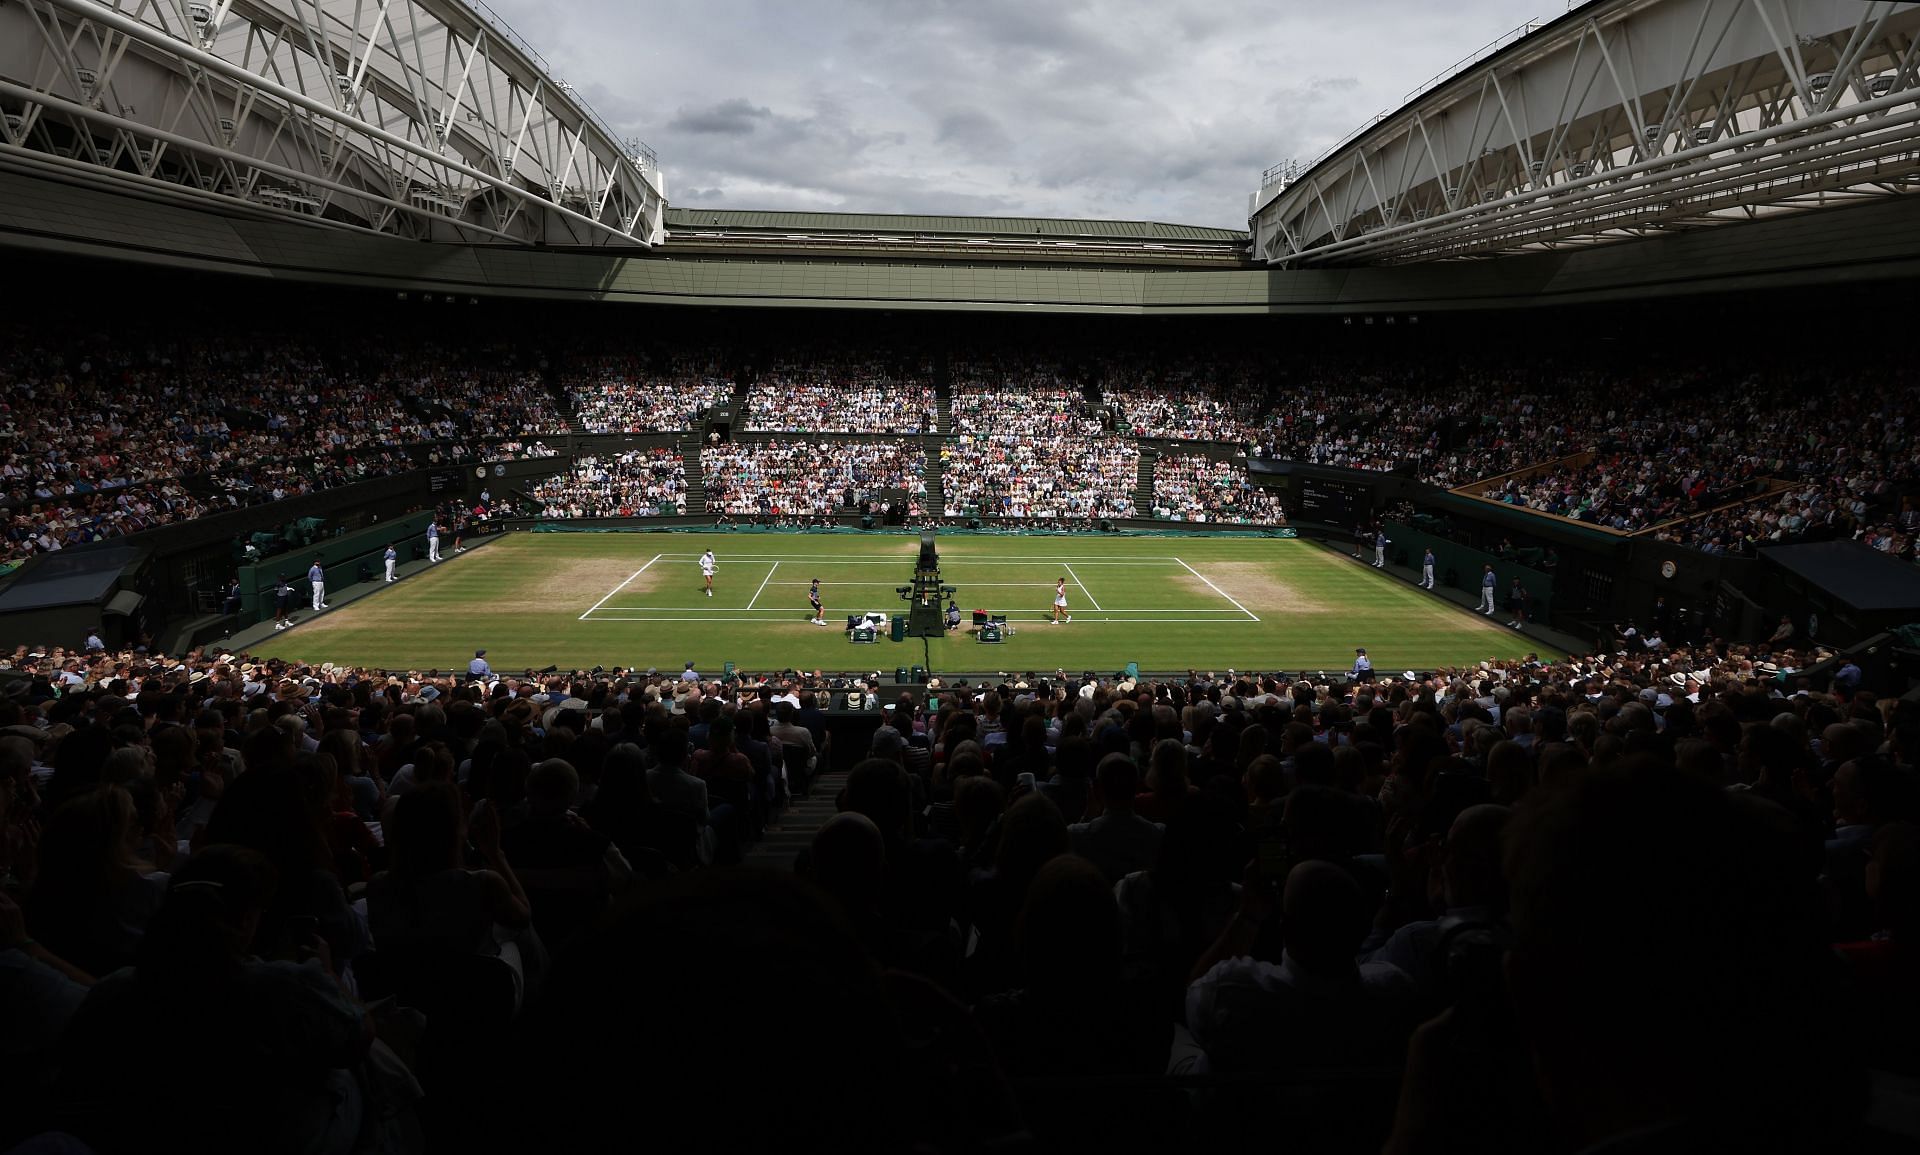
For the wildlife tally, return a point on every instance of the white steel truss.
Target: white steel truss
(415, 118)
(1625, 118)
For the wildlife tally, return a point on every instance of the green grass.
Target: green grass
(580, 600)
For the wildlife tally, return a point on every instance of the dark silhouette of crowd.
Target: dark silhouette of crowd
(1581, 906)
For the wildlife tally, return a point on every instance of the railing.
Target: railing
(637, 150)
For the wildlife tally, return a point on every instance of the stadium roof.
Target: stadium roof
(1025, 239)
(422, 119)
(1618, 121)
(681, 217)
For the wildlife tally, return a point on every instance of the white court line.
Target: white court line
(1227, 614)
(763, 585)
(1023, 623)
(897, 584)
(1218, 590)
(1081, 584)
(950, 559)
(621, 586)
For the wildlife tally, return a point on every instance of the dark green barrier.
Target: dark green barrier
(340, 557)
(1460, 567)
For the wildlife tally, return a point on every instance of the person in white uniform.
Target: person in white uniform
(1060, 613)
(393, 559)
(706, 570)
(433, 540)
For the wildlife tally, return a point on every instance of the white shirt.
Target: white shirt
(706, 565)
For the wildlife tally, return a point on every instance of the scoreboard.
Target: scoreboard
(1341, 503)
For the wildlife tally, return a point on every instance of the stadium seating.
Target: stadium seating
(638, 483)
(808, 478)
(1198, 488)
(107, 436)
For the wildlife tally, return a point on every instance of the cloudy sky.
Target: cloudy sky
(1124, 109)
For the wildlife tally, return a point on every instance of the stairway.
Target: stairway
(934, 504)
(1143, 483)
(696, 476)
(942, 396)
(563, 398)
(793, 831)
(742, 389)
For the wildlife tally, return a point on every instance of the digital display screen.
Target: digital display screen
(1332, 502)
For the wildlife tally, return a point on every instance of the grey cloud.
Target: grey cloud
(734, 117)
(1150, 109)
(972, 131)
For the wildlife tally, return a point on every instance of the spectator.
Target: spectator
(197, 984)
(1118, 842)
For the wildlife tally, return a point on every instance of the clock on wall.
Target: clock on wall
(480, 471)
(1668, 569)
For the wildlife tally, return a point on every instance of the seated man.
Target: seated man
(1317, 1007)
(1119, 841)
(568, 870)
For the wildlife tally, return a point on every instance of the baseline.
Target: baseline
(621, 586)
(1218, 590)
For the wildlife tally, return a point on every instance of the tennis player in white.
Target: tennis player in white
(1060, 613)
(706, 570)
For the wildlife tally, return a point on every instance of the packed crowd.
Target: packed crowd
(1195, 487)
(843, 393)
(101, 435)
(1413, 914)
(1206, 396)
(630, 393)
(137, 430)
(1626, 491)
(637, 483)
(446, 382)
(1028, 451)
(1836, 510)
(783, 478)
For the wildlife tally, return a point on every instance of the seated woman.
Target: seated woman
(427, 904)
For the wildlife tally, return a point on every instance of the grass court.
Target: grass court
(579, 600)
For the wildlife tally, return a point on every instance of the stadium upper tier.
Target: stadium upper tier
(718, 232)
(419, 119)
(108, 434)
(1621, 119)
